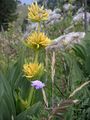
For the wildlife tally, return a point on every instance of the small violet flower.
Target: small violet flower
(37, 84)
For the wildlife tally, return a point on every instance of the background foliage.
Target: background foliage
(7, 12)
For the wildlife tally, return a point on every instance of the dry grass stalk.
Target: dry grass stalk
(52, 75)
(61, 108)
(79, 88)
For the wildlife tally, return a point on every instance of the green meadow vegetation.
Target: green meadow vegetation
(38, 80)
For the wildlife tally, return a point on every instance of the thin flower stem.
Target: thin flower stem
(30, 96)
(44, 97)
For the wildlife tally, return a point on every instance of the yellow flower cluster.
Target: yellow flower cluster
(36, 13)
(37, 40)
(33, 70)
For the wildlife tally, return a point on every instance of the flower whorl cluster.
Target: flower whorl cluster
(36, 13)
(37, 40)
(33, 70)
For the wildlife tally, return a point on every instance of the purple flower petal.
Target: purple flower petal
(37, 84)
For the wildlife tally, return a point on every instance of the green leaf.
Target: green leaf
(32, 111)
(80, 51)
(7, 107)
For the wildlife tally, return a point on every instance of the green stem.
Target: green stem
(36, 56)
(30, 96)
(38, 26)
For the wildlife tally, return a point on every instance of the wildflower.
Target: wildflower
(36, 13)
(33, 70)
(37, 84)
(37, 40)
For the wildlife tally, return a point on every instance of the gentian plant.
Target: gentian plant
(37, 41)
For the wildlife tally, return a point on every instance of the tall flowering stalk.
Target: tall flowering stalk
(37, 40)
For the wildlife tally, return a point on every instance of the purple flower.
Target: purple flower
(37, 84)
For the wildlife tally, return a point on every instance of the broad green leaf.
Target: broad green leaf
(31, 111)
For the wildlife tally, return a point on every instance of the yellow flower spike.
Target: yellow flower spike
(36, 13)
(37, 40)
(33, 70)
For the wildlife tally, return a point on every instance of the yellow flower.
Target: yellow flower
(33, 70)
(37, 40)
(36, 13)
